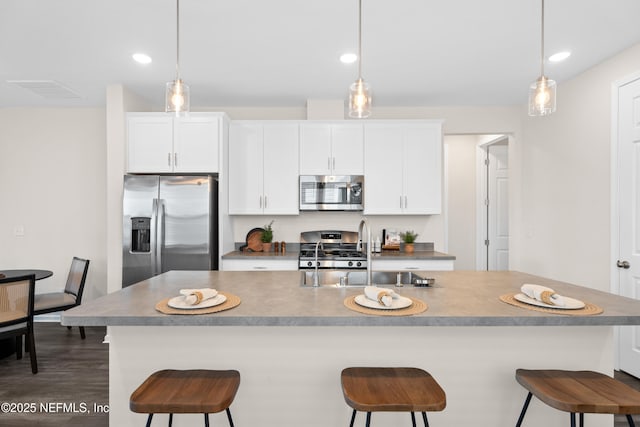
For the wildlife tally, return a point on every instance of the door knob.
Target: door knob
(623, 264)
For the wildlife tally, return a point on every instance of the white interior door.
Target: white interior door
(628, 184)
(498, 207)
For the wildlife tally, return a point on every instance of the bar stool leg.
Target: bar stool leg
(424, 418)
(149, 418)
(353, 418)
(368, 419)
(573, 419)
(170, 420)
(229, 417)
(581, 419)
(413, 419)
(524, 409)
(630, 421)
(206, 420)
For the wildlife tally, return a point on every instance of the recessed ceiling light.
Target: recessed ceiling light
(141, 58)
(560, 56)
(348, 58)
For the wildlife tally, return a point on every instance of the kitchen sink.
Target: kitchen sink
(354, 278)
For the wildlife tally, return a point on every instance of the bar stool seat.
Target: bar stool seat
(373, 389)
(579, 392)
(186, 392)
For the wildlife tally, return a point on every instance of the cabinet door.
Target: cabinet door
(422, 169)
(347, 149)
(280, 173)
(315, 149)
(245, 169)
(382, 169)
(150, 144)
(195, 145)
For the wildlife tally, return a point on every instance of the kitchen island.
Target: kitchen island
(290, 344)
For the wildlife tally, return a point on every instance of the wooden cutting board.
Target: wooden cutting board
(254, 240)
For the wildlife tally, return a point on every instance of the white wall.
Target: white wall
(462, 199)
(52, 182)
(565, 188)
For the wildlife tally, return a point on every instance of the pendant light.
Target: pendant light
(359, 91)
(177, 92)
(542, 92)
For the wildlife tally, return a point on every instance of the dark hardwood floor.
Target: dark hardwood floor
(71, 386)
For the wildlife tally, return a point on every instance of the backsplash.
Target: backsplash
(430, 228)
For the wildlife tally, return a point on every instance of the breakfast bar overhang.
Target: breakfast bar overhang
(291, 342)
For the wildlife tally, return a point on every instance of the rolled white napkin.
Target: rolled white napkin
(543, 294)
(196, 296)
(383, 296)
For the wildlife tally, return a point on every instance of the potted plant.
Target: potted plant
(409, 238)
(267, 237)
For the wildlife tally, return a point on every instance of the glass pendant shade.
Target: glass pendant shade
(542, 97)
(359, 99)
(177, 97)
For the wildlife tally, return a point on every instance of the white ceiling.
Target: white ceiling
(283, 52)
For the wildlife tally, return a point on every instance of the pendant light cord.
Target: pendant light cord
(360, 39)
(177, 39)
(542, 44)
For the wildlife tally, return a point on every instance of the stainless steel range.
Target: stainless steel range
(335, 249)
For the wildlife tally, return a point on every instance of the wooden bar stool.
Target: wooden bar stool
(392, 390)
(197, 391)
(579, 392)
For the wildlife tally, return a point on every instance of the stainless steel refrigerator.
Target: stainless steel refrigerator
(169, 223)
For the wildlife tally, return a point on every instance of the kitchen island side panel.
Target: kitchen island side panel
(290, 375)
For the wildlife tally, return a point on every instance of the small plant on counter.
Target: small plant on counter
(267, 234)
(409, 236)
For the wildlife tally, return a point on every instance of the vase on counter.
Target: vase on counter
(266, 246)
(409, 248)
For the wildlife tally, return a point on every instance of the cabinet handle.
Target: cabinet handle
(265, 202)
(168, 159)
(175, 159)
(405, 202)
(333, 166)
(260, 202)
(400, 201)
(259, 267)
(329, 163)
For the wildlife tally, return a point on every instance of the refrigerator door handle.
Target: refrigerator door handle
(154, 236)
(160, 236)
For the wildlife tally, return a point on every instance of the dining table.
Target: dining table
(40, 274)
(7, 346)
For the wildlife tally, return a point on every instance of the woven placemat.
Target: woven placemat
(588, 309)
(231, 302)
(418, 306)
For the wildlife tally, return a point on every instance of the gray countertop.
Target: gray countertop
(384, 255)
(274, 298)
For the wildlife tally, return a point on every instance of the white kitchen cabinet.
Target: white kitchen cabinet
(164, 143)
(259, 264)
(331, 148)
(263, 168)
(403, 168)
(412, 264)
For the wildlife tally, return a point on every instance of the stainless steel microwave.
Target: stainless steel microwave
(331, 192)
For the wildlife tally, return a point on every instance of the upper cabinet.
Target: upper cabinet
(403, 168)
(263, 168)
(164, 143)
(331, 148)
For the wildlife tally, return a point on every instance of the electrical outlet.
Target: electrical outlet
(18, 230)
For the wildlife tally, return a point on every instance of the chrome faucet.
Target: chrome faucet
(362, 225)
(315, 275)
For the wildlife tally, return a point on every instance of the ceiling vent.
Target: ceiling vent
(48, 89)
